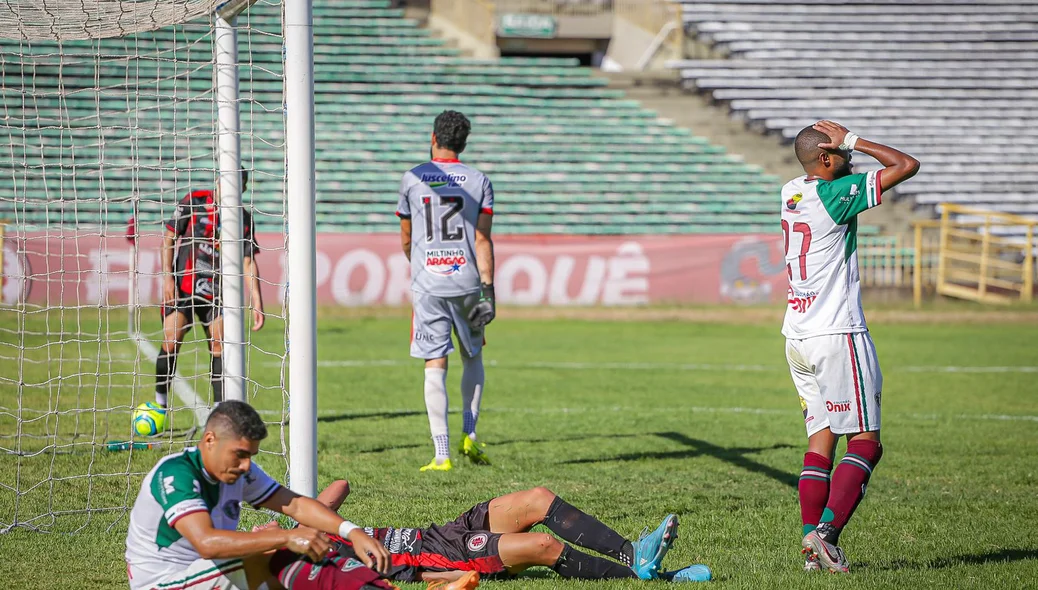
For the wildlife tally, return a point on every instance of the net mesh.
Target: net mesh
(108, 114)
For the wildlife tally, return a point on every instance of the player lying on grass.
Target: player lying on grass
(831, 356)
(183, 527)
(494, 539)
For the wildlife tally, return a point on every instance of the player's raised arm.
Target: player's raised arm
(312, 513)
(899, 166)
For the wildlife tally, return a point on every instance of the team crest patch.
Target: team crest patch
(879, 397)
(232, 509)
(477, 542)
(791, 204)
(445, 261)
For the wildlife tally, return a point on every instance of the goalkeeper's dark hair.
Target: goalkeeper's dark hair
(238, 419)
(452, 130)
(806, 145)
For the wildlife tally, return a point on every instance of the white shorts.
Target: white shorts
(432, 321)
(202, 574)
(839, 382)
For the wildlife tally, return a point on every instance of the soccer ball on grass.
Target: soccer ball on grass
(149, 419)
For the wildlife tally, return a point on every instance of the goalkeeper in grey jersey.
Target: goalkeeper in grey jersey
(446, 210)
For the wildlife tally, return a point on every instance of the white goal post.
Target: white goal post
(114, 110)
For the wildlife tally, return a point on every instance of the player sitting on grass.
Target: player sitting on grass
(831, 356)
(494, 539)
(183, 527)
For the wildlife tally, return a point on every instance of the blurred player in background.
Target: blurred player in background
(191, 283)
(446, 211)
(830, 353)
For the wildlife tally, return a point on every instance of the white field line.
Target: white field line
(621, 366)
(605, 409)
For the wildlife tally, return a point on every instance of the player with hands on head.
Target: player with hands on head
(446, 211)
(831, 356)
(183, 525)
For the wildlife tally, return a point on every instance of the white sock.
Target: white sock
(472, 379)
(436, 406)
(161, 399)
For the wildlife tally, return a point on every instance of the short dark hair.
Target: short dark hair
(238, 418)
(452, 130)
(244, 177)
(806, 144)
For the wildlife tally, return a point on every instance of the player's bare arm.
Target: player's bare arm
(899, 166)
(485, 249)
(485, 310)
(405, 237)
(169, 284)
(316, 515)
(213, 543)
(252, 278)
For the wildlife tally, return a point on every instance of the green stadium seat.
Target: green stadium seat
(566, 153)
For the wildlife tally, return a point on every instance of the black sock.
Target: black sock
(584, 530)
(581, 566)
(829, 533)
(216, 379)
(165, 367)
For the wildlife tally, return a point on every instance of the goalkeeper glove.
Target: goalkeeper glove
(485, 309)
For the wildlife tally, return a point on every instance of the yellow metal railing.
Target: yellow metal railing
(476, 17)
(974, 260)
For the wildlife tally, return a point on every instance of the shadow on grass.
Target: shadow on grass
(698, 448)
(1001, 556)
(370, 416)
(500, 443)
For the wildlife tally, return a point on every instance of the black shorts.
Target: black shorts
(206, 310)
(466, 544)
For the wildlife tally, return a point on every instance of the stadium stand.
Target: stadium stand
(566, 154)
(950, 81)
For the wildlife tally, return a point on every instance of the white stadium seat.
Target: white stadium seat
(954, 82)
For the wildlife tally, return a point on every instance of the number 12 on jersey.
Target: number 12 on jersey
(805, 244)
(450, 207)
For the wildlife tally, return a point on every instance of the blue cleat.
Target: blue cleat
(692, 573)
(650, 548)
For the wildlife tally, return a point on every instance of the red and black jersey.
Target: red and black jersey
(196, 224)
(465, 544)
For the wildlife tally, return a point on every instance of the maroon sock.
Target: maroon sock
(814, 489)
(848, 486)
(333, 573)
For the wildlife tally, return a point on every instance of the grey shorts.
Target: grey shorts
(432, 321)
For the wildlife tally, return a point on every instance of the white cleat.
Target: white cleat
(829, 556)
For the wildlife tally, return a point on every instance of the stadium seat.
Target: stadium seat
(951, 82)
(566, 154)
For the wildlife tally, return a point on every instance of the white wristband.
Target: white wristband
(848, 141)
(346, 528)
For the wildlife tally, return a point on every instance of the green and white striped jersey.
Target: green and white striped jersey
(179, 485)
(820, 233)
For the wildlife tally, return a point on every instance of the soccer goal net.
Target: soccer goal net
(111, 115)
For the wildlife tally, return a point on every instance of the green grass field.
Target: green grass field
(628, 419)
